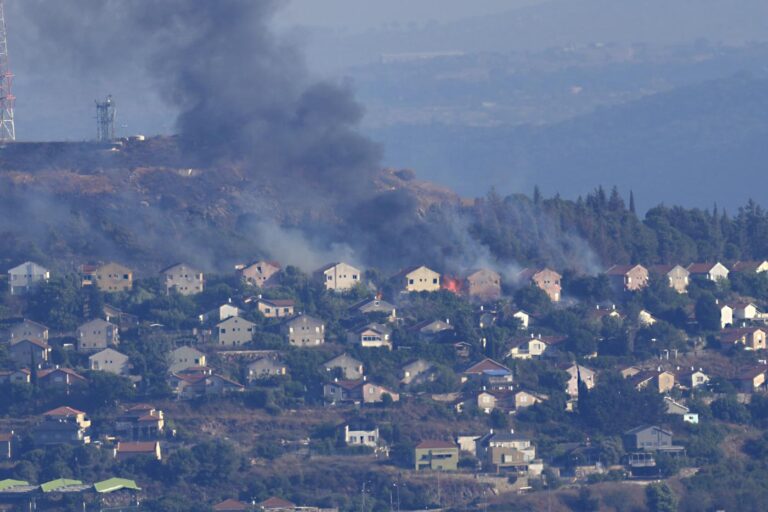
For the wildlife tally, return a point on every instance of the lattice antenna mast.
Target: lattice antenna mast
(7, 100)
(105, 119)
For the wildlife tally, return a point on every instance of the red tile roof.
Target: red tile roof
(63, 411)
(484, 366)
(137, 447)
(275, 502)
(230, 505)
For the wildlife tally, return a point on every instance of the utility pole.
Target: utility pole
(7, 100)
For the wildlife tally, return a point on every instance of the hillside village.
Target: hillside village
(506, 384)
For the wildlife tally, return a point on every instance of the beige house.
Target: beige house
(111, 361)
(524, 318)
(305, 331)
(660, 381)
(28, 330)
(483, 285)
(181, 358)
(506, 451)
(751, 379)
(726, 315)
(266, 367)
(533, 346)
(525, 399)
(22, 278)
(234, 331)
(183, 278)
(630, 278)
(693, 378)
(374, 394)
(751, 338)
(220, 313)
(437, 456)
(420, 279)
(546, 279)
(276, 308)
(744, 310)
(260, 273)
(574, 370)
(709, 271)
(97, 335)
(339, 277)
(677, 277)
(645, 318)
(109, 278)
(351, 368)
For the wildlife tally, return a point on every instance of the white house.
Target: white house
(22, 278)
(109, 360)
(339, 277)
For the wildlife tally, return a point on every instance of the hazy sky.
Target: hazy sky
(358, 15)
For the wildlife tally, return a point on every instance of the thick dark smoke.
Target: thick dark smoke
(246, 107)
(241, 93)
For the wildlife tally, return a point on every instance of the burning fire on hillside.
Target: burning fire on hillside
(452, 284)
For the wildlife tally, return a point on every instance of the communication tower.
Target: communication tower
(105, 120)
(7, 100)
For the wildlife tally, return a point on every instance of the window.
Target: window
(410, 281)
(434, 281)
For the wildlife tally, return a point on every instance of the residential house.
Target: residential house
(197, 382)
(649, 438)
(261, 273)
(709, 271)
(494, 375)
(124, 321)
(506, 451)
(129, 449)
(750, 338)
(140, 422)
(603, 311)
(416, 372)
(62, 426)
(24, 277)
(339, 277)
(546, 279)
(111, 361)
(488, 401)
(525, 399)
(468, 443)
(751, 379)
(220, 313)
(754, 267)
(630, 278)
(60, 378)
(436, 455)
(726, 315)
(431, 330)
(96, 335)
(523, 317)
(693, 378)
(361, 435)
(234, 331)
(674, 407)
(372, 335)
(677, 276)
(275, 504)
(745, 310)
(183, 278)
(305, 331)
(658, 380)
(419, 279)
(266, 367)
(28, 330)
(483, 285)
(182, 358)
(22, 376)
(276, 308)
(375, 306)
(358, 391)
(576, 371)
(27, 352)
(231, 505)
(528, 347)
(108, 278)
(350, 368)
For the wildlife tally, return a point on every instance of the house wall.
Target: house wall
(29, 331)
(23, 278)
(484, 285)
(272, 311)
(185, 357)
(111, 362)
(261, 274)
(679, 279)
(726, 316)
(341, 277)
(114, 278)
(305, 332)
(184, 279)
(94, 336)
(443, 459)
(422, 280)
(234, 332)
(549, 282)
(636, 278)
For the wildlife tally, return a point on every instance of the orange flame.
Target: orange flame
(452, 284)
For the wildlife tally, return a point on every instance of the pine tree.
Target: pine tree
(632, 203)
